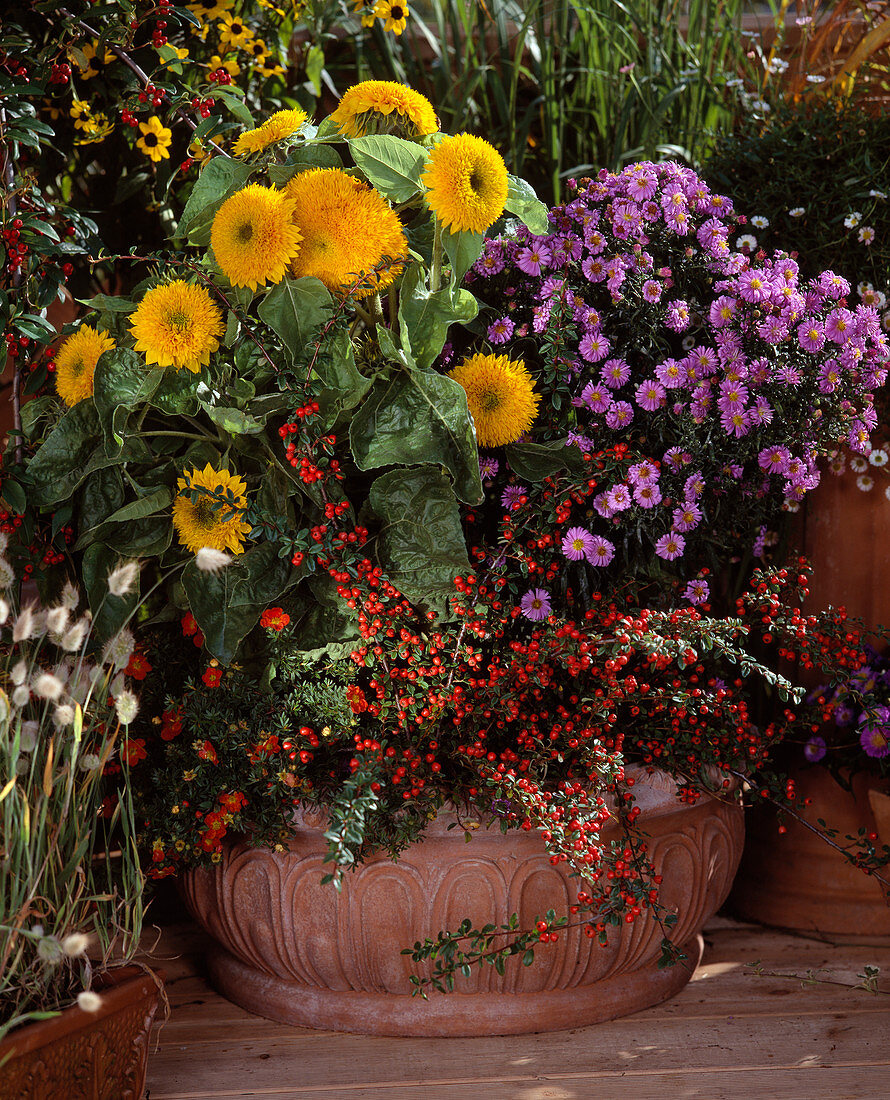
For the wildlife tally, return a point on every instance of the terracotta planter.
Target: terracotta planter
(293, 950)
(85, 1055)
(794, 880)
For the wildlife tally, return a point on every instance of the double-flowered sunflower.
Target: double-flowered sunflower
(253, 236)
(466, 181)
(76, 363)
(348, 231)
(500, 395)
(384, 107)
(214, 514)
(177, 325)
(277, 127)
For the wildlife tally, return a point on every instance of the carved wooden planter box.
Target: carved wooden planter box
(85, 1055)
(293, 950)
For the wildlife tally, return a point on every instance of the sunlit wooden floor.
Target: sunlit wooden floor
(733, 1032)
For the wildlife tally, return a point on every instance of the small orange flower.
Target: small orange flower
(212, 677)
(133, 750)
(207, 751)
(274, 619)
(232, 801)
(138, 666)
(189, 624)
(171, 724)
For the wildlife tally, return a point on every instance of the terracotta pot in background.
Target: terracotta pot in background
(795, 881)
(293, 950)
(86, 1055)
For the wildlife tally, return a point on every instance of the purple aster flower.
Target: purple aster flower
(492, 260)
(761, 412)
(652, 290)
(535, 605)
(602, 551)
(577, 543)
(596, 397)
(618, 498)
(593, 346)
(676, 458)
(839, 325)
(614, 373)
(687, 516)
(620, 414)
(670, 546)
(601, 503)
(754, 286)
(500, 331)
(650, 395)
(695, 486)
(533, 259)
(774, 330)
(722, 310)
(488, 467)
(647, 495)
(642, 185)
(874, 733)
(671, 374)
(735, 422)
(678, 316)
(810, 336)
(733, 396)
(594, 269)
(643, 473)
(511, 496)
(774, 459)
(815, 749)
(833, 285)
(697, 592)
(701, 362)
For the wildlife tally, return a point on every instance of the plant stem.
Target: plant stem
(436, 268)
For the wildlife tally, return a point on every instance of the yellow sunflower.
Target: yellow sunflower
(348, 228)
(466, 181)
(209, 9)
(76, 363)
(155, 140)
(394, 14)
(233, 31)
(213, 517)
(277, 127)
(253, 237)
(384, 107)
(177, 325)
(500, 395)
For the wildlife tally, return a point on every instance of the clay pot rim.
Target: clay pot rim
(119, 986)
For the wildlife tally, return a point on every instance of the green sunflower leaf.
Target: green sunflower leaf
(394, 166)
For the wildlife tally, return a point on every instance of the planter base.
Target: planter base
(451, 1014)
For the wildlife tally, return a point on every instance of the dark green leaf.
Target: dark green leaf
(416, 418)
(294, 309)
(462, 250)
(60, 464)
(394, 166)
(535, 461)
(122, 380)
(424, 317)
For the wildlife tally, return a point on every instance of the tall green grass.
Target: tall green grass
(563, 87)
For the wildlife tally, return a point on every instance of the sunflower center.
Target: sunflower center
(178, 319)
(476, 180)
(396, 13)
(489, 401)
(150, 139)
(77, 367)
(244, 232)
(203, 513)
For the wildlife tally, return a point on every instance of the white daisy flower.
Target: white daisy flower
(865, 483)
(796, 212)
(858, 464)
(759, 221)
(878, 457)
(852, 219)
(866, 235)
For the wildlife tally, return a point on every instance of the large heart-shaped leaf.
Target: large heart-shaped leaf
(416, 418)
(394, 166)
(294, 309)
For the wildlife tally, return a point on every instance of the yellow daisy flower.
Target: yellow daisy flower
(199, 151)
(253, 237)
(267, 67)
(365, 8)
(94, 61)
(76, 363)
(213, 518)
(466, 181)
(93, 129)
(394, 14)
(384, 107)
(277, 127)
(348, 228)
(177, 325)
(155, 140)
(233, 31)
(209, 9)
(500, 395)
(80, 112)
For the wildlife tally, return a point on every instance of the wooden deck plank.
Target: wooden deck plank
(729, 1032)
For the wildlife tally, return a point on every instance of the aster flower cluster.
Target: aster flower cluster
(857, 713)
(726, 375)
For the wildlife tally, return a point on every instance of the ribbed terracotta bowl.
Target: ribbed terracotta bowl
(293, 950)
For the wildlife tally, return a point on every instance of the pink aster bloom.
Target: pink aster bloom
(687, 517)
(697, 592)
(839, 325)
(594, 269)
(601, 552)
(647, 496)
(810, 336)
(618, 498)
(753, 286)
(695, 486)
(735, 422)
(620, 414)
(774, 330)
(533, 259)
(596, 397)
(650, 395)
(500, 331)
(614, 373)
(642, 473)
(535, 605)
(874, 733)
(577, 543)
(511, 497)
(594, 347)
(652, 290)
(670, 546)
(815, 749)
(774, 459)
(678, 316)
(722, 310)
